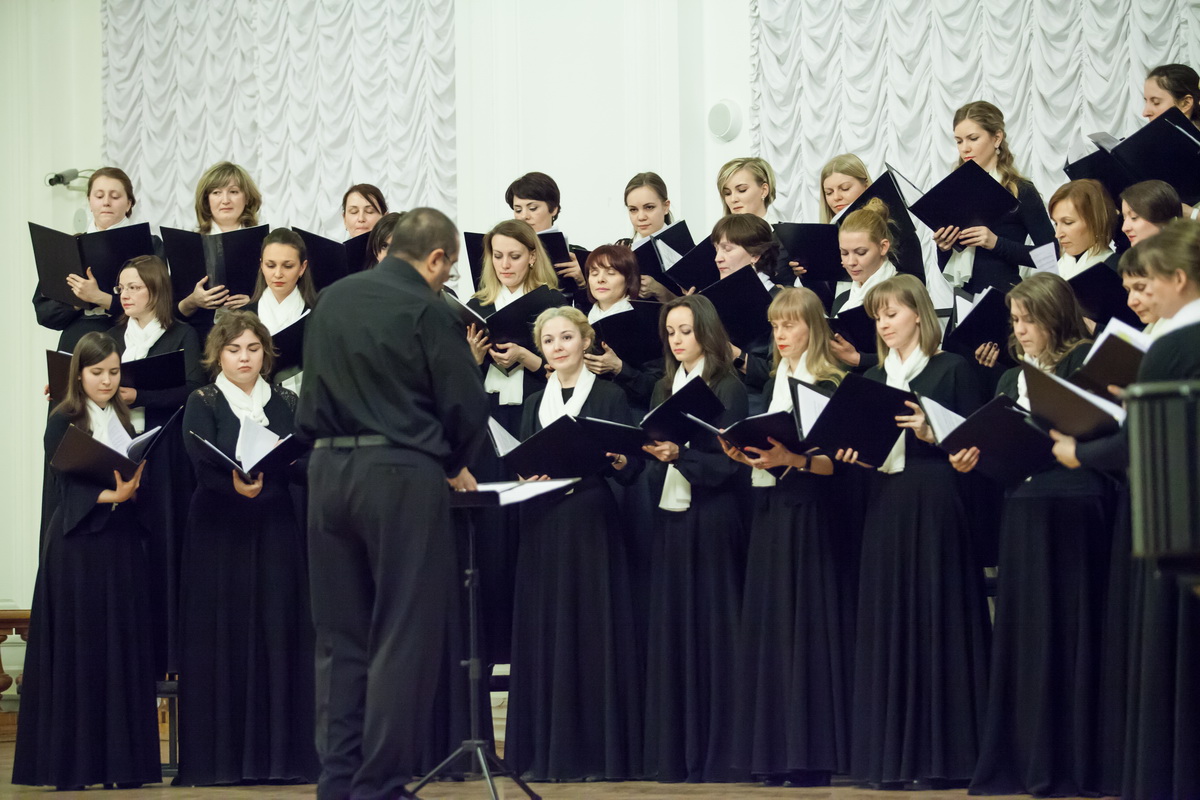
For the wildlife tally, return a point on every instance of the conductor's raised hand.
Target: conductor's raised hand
(665, 452)
(603, 363)
(464, 481)
(945, 237)
(478, 340)
(965, 460)
(571, 269)
(251, 490)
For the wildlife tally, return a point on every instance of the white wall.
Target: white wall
(593, 93)
(51, 100)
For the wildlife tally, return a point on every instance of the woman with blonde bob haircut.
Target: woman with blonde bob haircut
(792, 704)
(922, 613)
(747, 186)
(572, 575)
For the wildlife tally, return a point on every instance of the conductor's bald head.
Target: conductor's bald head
(427, 239)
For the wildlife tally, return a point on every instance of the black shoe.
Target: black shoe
(801, 778)
(773, 779)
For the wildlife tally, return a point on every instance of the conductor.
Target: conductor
(395, 405)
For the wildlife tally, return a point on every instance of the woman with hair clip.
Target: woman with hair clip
(865, 243)
(795, 645)
(147, 329)
(362, 206)
(1042, 715)
(87, 712)
(226, 199)
(284, 289)
(574, 702)
(1156, 732)
(514, 262)
(246, 691)
(992, 257)
(534, 199)
(922, 613)
(381, 238)
(696, 557)
(111, 201)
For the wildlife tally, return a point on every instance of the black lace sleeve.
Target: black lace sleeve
(287, 395)
(208, 395)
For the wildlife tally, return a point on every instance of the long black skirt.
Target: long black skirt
(246, 675)
(694, 599)
(574, 703)
(88, 709)
(796, 639)
(1044, 707)
(921, 655)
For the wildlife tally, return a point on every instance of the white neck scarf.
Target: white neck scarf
(553, 406)
(278, 315)
(106, 426)
(1023, 383)
(781, 400)
(139, 340)
(595, 314)
(1070, 266)
(509, 386)
(121, 223)
(246, 406)
(1188, 315)
(961, 265)
(677, 491)
(858, 292)
(767, 283)
(899, 375)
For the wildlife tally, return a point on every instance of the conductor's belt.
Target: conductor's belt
(350, 442)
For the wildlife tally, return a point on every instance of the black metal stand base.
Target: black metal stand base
(491, 766)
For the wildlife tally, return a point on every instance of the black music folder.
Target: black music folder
(473, 252)
(58, 374)
(329, 260)
(695, 270)
(632, 335)
(164, 371)
(965, 198)
(756, 430)
(562, 449)
(859, 415)
(228, 259)
(514, 322)
(856, 327)
(289, 345)
(615, 437)
(1166, 149)
(1102, 296)
(57, 255)
(1114, 359)
(741, 301)
(815, 247)
(671, 420)
(274, 460)
(1011, 446)
(556, 246)
(987, 320)
(650, 259)
(79, 454)
(1069, 409)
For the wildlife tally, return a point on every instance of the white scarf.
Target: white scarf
(1152, 329)
(106, 426)
(781, 400)
(139, 340)
(278, 315)
(899, 375)
(246, 406)
(677, 491)
(961, 265)
(595, 314)
(510, 386)
(1070, 266)
(1188, 315)
(1023, 383)
(553, 406)
(858, 292)
(767, 283)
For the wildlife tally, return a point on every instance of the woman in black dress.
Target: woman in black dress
(795, 644)
(864, 239)
(612, 283)
(87, 702)
(921, 658)
(149, 329)
(574, 701)
(1043, 710)
(695, 590)
(284, 290)
(992, 257)
(246, 677)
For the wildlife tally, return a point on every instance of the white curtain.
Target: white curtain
(882, 79)
(310, 96)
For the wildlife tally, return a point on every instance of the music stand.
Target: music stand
(478, 749)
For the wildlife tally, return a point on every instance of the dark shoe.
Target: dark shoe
(801, 778)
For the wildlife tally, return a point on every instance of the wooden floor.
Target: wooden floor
(470, 790)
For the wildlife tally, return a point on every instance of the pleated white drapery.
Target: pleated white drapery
(883, 79)
(311, 96)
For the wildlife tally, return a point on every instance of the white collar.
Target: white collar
(1070, 266)
(622, 305)
(506, 295)
(858, 293)
(139, 340)
(106, 426)
(767, 283)
(278, 315)
(1188, 315)
(553, 406)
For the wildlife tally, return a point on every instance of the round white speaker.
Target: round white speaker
(725, 120)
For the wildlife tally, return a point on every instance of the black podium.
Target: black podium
(478, 749)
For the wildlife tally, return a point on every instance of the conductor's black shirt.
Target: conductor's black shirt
(383, 354)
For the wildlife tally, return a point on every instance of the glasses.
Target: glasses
(132, 287)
